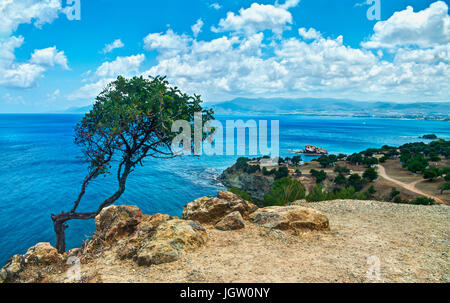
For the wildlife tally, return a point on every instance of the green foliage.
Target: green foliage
(296, 160)
(326, 161)
(342, 169)
(298, 172)
(317, 194)
(444, 187)
(340, 179)
(430, 174)
(282, 172)
(371, 190)
(355, 159)
(394, 193)
(241, 193)
(434, 156)
(283, 191)
(370, 174)
(356, 181)
(319, 175)
(384, 159)
(369, 161)
(241, 164)
(423, 201)
(416, 163)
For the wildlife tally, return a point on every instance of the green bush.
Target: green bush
(370, 174)
(283, 191)
(423, 201)
(282, 172)
(241, 193)
(356, 181)
(319, 175)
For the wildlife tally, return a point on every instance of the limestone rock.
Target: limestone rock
(43, 253)
(232, 221)
(149, 224)
(256, 186)
(12, 268)
(210, 210)
(117, 222)
(290, 218)
(169, 242)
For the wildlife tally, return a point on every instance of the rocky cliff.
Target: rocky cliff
(227, 239)
(256, 186)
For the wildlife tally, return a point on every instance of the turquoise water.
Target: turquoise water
(41, 172)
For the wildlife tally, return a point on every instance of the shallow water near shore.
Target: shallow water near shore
(41, 169)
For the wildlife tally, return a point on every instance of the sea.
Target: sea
(41, 169)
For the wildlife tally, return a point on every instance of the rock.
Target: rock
(210, 210)
(117, 222)
(232, 221)
(14, 266)
(290, 218)
(43, 253)
(170, 241)
(256, 186)
(150, 223)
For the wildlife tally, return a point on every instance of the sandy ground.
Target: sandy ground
(410, 242)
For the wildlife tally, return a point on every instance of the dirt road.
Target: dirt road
(408, 186)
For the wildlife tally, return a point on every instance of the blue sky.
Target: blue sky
(224, 49)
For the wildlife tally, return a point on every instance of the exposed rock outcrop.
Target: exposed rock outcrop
(292, 218)
(170, 241)
(210, 210)
(231, 221)
(256, 186)
(43, 253)
(12, 268)
(117, 222)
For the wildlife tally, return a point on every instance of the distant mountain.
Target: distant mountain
(328, 106)
(78, 110)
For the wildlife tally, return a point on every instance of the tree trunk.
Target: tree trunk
(60, 228)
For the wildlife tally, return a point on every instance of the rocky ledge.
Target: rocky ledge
(124, 234)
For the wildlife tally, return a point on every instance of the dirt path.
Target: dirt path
(409, 186)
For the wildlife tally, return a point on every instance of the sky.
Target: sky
(59, 54)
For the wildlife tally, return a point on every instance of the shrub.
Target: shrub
(356, 181)
(444, 186)
(317, 194)
(370, 174)
(393, 194)
(423, 201)
(319, 175)
(281, 172)
(241, 193)
(342, 169)
(283, 191)
(340, 179)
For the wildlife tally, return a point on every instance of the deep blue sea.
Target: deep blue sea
(41, 170)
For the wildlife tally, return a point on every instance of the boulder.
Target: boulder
(117, 222)
(12, 268)
(210, 210)
(170, 241)
(290, 218)
(149, 224)
(256, 186)
(232, 221)
(43, 253)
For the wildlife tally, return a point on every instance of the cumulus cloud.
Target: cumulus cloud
(288, 4)
(15, 12)
(197, 27)
(107, 72)
(25, 74)
(122, 65)
(112, 46)
(12, 14)
(426, 28)
(256, 18)
(309, 34)
(49, 57)
(168, 44)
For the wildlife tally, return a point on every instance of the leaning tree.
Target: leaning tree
(130, 120)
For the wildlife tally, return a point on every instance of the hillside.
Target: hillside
(323, 242)
(335, 107)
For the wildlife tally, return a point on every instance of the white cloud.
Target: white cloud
(15, 12)
(426, 28)
(168, 44)
(288, 4)
(107, 72)
(112, 46)
(256, 18)
(49, 57)
(215, 6)
(310, 34)
(197, 27)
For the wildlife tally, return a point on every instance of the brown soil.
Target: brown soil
(411, 242)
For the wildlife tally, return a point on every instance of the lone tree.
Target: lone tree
(130, 120)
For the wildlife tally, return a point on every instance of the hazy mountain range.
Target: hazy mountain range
(328, 106)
